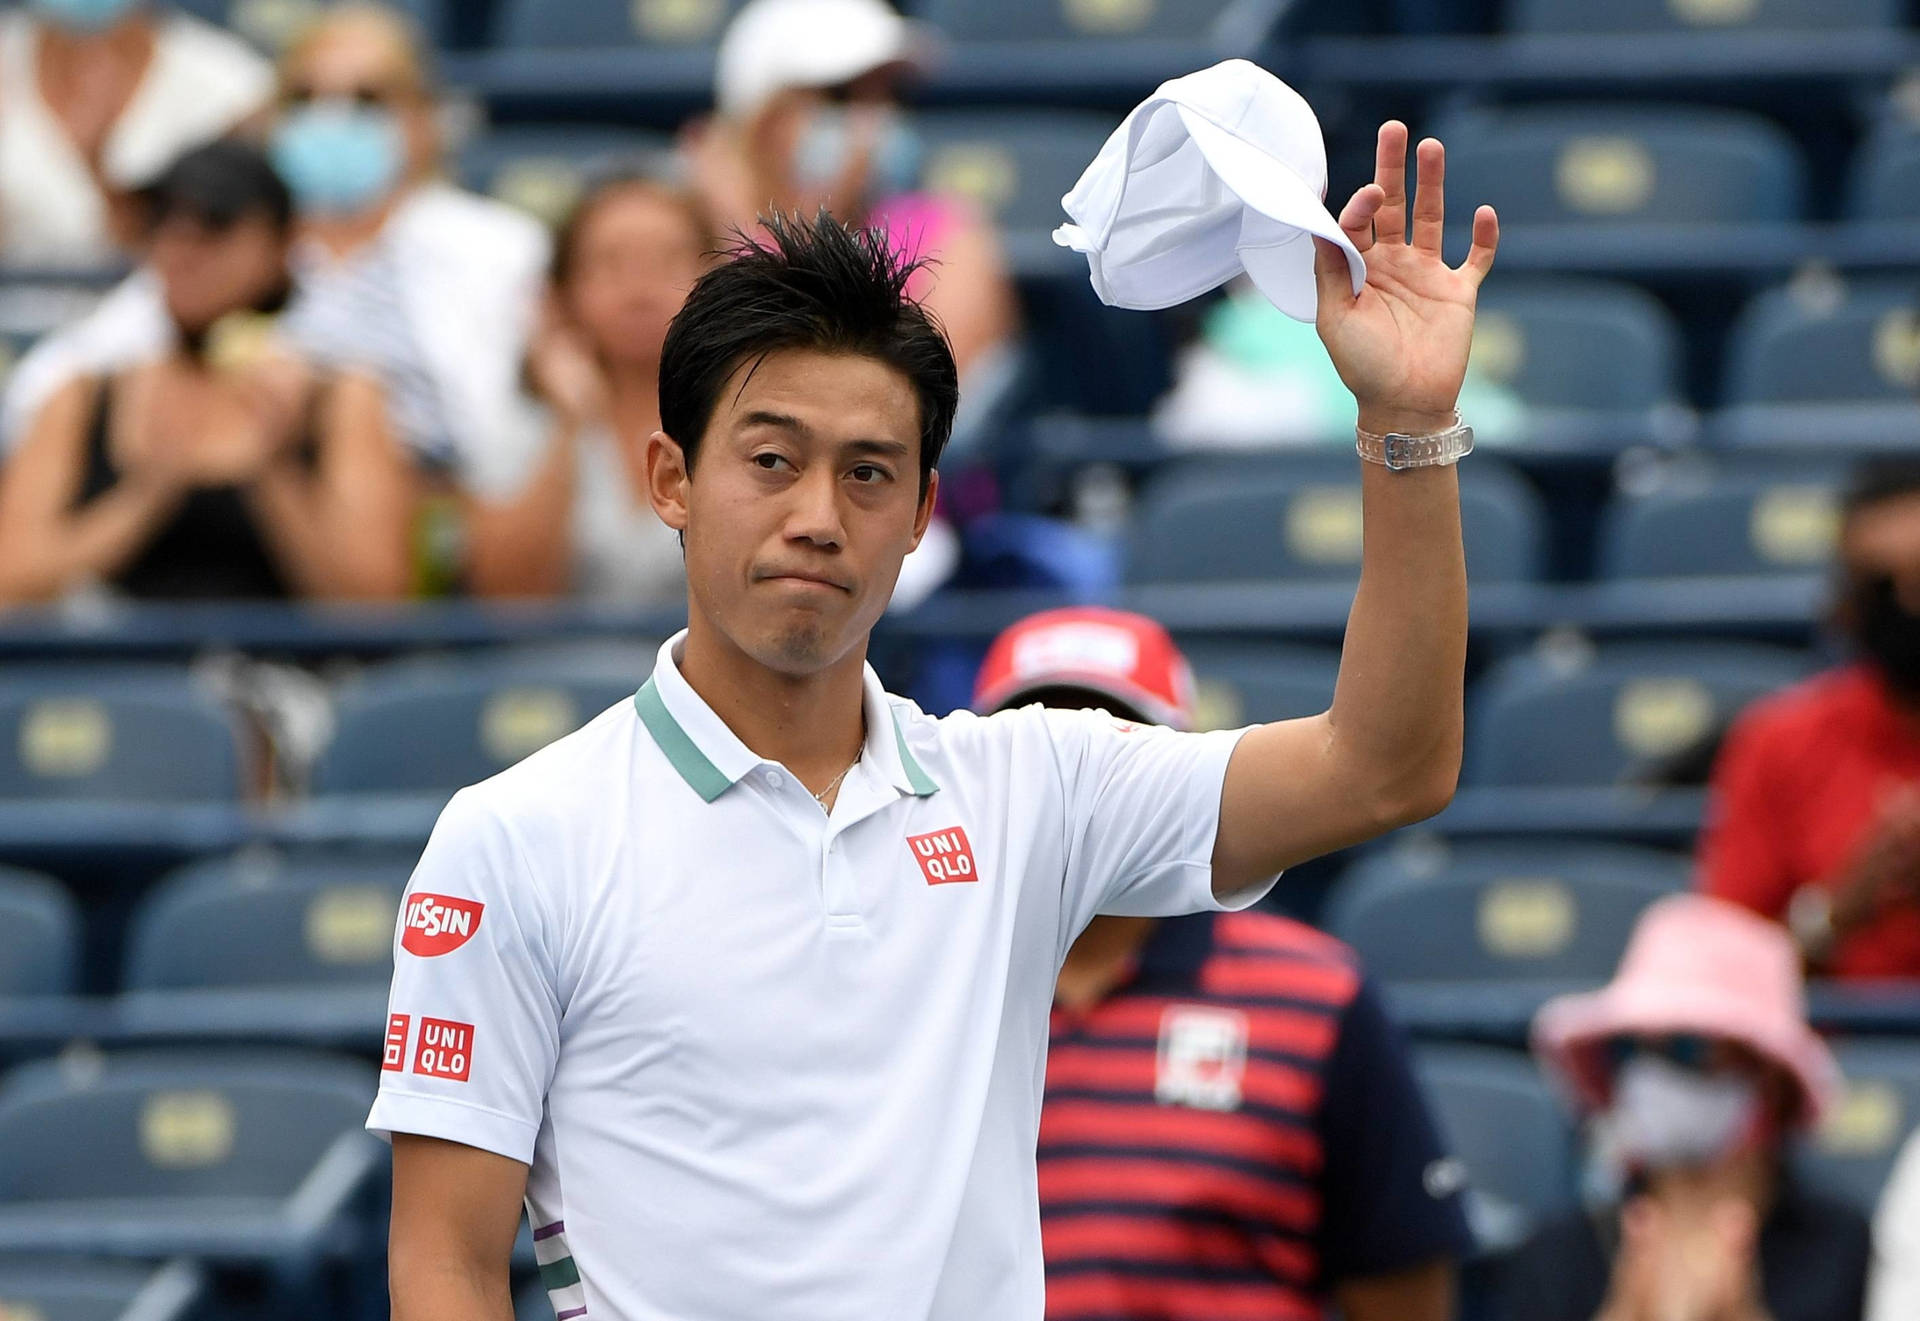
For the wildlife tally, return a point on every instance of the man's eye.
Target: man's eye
(868, 472)
(769, 460)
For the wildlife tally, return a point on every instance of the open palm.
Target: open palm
(1401, 345)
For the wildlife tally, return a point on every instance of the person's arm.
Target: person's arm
(1388, 751)
(341, 531)
(1419, 1293)
(455, 1212)
(47, 546)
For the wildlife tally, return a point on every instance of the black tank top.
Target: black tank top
(211, 549)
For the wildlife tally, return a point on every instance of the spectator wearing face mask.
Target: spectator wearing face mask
(97, 97)
(1815, 800)
(808, 117)
(225, 467)
(582, 523)
(430, 289)
(1694, 1067)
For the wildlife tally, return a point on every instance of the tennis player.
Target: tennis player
(743, 989)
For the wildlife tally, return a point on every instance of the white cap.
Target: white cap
(1217, 172)
(772, 45)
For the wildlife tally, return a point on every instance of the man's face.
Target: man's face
(805, 497)
(1883, 541)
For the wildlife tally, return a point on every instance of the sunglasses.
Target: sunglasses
(1687, 1049)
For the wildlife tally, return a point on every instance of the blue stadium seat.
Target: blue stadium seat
(1583, 345)
(419, 726)
(1729, 523)
(1298, 516)
(76, 1289)
(1616, 714)
(1090, 20)
(1703, 16)
(543, 169)
(1885, 181)
(1853, 1152)
(1014, 166)
(112, 733)
(1593, 164)
(1548, 910)
(599, 24)
(1245, 683)
(1497, 1116)
(39, 935)
(271, 25)
(251, 1159)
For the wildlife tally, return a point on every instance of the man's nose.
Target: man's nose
(815, 513)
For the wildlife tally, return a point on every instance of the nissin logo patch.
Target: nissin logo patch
(944, 856)
(439, 924)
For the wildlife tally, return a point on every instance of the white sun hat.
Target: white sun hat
(772, 45)
(1217, 172)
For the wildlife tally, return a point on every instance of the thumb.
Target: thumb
(1330, 277)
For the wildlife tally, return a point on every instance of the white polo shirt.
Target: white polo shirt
(767, 1063)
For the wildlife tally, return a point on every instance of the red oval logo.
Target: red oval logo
(438, 924)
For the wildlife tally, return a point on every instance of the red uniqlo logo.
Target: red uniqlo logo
(394, 1058)
(437, 924)
(446, 1050)
(944, 856)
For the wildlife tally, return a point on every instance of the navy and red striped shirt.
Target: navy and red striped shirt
(1232, 1130)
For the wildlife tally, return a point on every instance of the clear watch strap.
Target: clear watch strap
(1398, 451)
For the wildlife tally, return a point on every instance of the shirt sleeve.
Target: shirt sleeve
(473, 1021)
(1743, 858)
(1895, 1285)
(1391, 1200)
(1142, 810)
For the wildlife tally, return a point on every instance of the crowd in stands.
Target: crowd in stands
(314, 367)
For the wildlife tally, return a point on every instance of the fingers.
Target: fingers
(1486, 238)
(1356, 218)
(1330, 275)
(1430, 201)
(1390, 173)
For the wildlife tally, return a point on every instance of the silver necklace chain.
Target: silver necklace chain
(834, 783)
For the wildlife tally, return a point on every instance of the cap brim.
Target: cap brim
(1009, 693)
(1283, 269)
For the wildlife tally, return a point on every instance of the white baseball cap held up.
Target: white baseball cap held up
(1217, 172)
(773, 45)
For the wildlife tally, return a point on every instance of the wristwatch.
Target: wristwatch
(1398, 451)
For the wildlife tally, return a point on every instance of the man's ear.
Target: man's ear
(667, 480)
(924, 514)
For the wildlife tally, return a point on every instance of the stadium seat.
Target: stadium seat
(1703, 16)
(1592, 164)
(1241, 683)
(1853, 1152)
(70, 1289)
(39, 935)
(1622, 712)
(1729, 523)
(419, 726)
(599, 24)
(1028, 21)
(1885, 181)
(543, 169)
(270, 24)
(147, 734)
(1548, 910)
(1014, 166)
(1297, 516)
(1858, 343)
(1497, 1116)
(1577, 345)
(251, 1160)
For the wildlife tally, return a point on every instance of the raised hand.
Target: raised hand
(1401, 346)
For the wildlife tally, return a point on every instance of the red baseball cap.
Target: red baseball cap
(1125, 656)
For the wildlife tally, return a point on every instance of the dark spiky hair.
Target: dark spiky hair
(808, 284)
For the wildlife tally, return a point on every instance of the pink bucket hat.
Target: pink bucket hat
(1694, 965)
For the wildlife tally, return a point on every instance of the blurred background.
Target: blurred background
(331, 338)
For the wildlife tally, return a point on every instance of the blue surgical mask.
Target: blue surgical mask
(338, 158)
(85, 15)
(826, 146)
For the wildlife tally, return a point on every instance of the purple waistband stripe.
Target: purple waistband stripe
(548, 1231)
(570, 1313)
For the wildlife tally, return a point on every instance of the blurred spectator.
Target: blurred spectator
(1815, 816)
(97, 97)
(808, 117)
(622, 264)
(225, 467)
(1894, 1294)
(1291, 1083)
(432, 289)
(1695, 1066)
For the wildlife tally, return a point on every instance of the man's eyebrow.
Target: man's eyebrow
(762, 417)
(885, 449)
